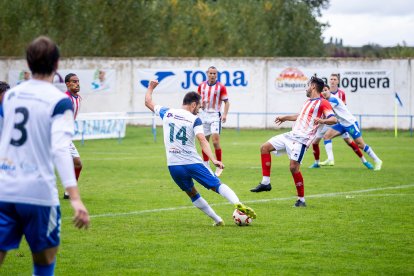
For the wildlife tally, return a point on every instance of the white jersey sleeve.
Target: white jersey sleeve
(160, 110)
(62, 132)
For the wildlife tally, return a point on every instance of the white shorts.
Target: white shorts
(73, 151)
(211, 122)
(284, 144)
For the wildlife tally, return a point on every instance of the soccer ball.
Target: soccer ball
(241, 219)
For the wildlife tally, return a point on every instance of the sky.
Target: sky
(362, 22)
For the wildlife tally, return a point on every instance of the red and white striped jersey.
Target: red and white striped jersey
(212, 95)
(340, 94)
(304, 128)
(76, 101)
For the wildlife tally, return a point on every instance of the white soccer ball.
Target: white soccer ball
(241, 219)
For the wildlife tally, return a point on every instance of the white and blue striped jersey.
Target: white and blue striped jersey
(37, 128)
(180, 129)
(342, 112)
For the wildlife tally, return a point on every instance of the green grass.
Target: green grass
(346, 228)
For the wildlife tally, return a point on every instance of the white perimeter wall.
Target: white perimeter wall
(258, 95)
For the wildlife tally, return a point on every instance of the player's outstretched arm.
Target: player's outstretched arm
(205, 146)
(148, 96)
(281, 119)
(81, 216)
(226, 111)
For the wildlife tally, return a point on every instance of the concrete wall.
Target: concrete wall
(256, 95)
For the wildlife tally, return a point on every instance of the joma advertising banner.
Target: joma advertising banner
(184, 79)
(295, 79)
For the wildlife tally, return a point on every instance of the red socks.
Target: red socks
(300, 188)
(218, 154)
(266, 164)
(355, 148)
(316, 151)
(205, 157)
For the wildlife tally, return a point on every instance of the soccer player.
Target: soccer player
(213, 93)
(347, 123)
(4, 86)
(181, 127)
(38, 126)
(72, 84)
(296, 142)
(330, 161)
(321, 132)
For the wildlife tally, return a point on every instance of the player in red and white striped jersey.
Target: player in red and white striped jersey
(296, 142)
(213, 93)
(73, 86)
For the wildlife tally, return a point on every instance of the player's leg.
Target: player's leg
(316, 153)
(331, 133)
(369, 150)
(207, 133)
(351, 143)
(275, 143)
(296, 152)
(215, 137)
(2, 256)
(210, 181)
(356, 134)
(77, 163)
(11, 231)
(44, 262)
(182, 178)
(42, 232)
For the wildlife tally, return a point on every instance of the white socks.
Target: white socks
(265, 180)
(228, 194)
(329, 151)
(202, 204)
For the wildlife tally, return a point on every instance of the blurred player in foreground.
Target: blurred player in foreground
(181, 127)
(296, 142)
(347, 123)
(321, 132)
(213, 93)
(72, 84)
(37, 130)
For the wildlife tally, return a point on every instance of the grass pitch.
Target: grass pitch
(357, 221)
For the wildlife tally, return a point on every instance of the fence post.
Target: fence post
(238, 121)
(411, 125)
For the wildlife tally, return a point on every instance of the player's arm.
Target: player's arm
(205, 146)
(330, 120)
(148, 96)
(226, 110)
(61, 137)
(281, 119)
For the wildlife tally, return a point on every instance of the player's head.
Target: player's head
(334, 81)
(72, 83)
(314, 84)
(42, 56)
(212, 74)
(4, 86)
(326, 92)
(101, 75)
(192, 100)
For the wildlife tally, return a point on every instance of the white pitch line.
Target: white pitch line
(252, 201)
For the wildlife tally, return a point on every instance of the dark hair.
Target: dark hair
(325, 85)
(42, 56)
(319, 83)
(211, 67)
(191, 97)
(4, 86)
(68, 76)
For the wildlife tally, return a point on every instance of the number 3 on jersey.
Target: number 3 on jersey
(20, 126)
(181, 134)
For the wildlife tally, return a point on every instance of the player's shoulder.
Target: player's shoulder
(341, 91)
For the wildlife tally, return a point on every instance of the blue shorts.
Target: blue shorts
(183, 175)
(353, 130)
(39, 224)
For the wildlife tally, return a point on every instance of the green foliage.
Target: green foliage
(358, 222)
(176, 28)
